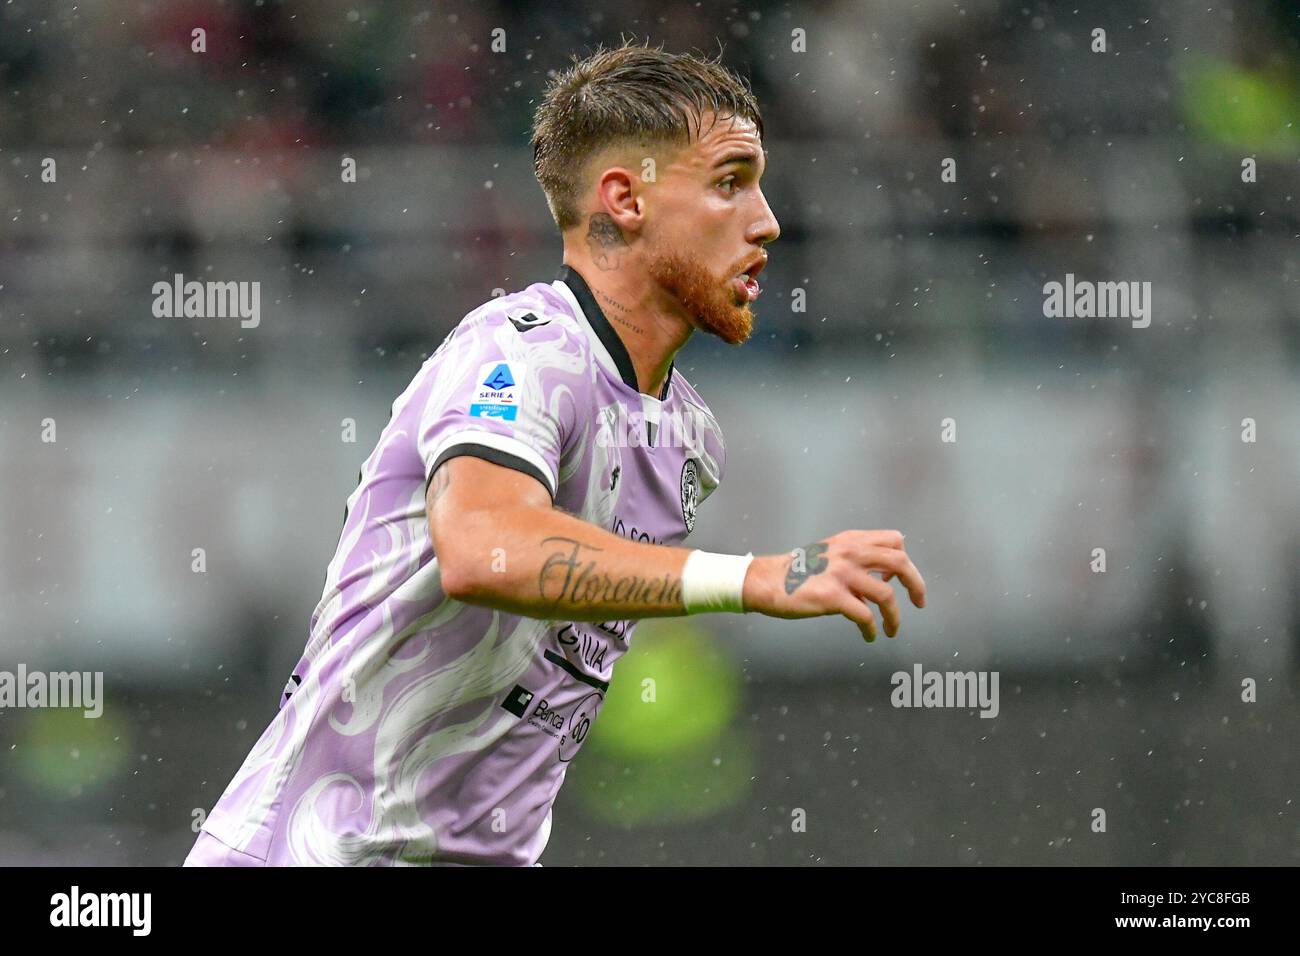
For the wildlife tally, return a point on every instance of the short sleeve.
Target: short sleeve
(508, 389)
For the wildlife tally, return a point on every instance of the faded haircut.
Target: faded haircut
(631, 93)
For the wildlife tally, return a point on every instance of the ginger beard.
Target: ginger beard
(709, 300)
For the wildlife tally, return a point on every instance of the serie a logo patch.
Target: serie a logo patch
(496, 394)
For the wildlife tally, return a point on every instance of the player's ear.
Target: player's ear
(619, 197)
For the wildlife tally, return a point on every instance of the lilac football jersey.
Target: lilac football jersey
(418, 729)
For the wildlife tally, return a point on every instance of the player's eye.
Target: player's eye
(728, 184)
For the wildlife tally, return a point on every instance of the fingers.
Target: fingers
(859, 612)
(850, 583)
(896, 563)
(881, 539)
(864, 587)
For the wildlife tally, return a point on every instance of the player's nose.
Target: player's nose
(765, 228)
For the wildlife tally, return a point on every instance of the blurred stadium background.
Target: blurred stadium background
(924, 302)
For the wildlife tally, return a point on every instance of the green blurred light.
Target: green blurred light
(664, 750)
(695, 688)
(61, 753)
(678, 788)
(1255, 112)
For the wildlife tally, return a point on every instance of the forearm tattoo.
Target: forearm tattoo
(567, 574)
(606, 242)
(805, 562)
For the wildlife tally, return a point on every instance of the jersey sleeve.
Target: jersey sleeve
(506, 392)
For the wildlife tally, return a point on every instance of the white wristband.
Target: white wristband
(714, 582)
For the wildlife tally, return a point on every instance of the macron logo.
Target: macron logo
(517, 700)
(526, 322)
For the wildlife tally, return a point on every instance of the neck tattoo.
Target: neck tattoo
(620, 319)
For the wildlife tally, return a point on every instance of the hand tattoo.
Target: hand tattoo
(606, 242)
(806, 562)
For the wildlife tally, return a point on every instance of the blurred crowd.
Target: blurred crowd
(1117, 162)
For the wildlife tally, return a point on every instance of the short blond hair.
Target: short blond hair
(629, 93)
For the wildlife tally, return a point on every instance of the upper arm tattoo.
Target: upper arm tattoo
(439, 485)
